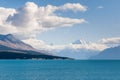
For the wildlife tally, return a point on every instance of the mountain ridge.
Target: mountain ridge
(13, 48)
(109, 53)
(10, 41)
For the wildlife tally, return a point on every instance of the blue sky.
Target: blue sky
(101, 22)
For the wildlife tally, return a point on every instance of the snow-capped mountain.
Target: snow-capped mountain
(82, 42)
(79, 49)
(79, 42)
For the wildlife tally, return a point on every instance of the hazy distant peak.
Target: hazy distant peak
(79, 42)
(109, 53)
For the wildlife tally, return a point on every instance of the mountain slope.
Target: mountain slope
(10, 41)
(110, 53)
(13, 48)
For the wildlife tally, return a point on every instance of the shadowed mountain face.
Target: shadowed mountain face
(110, 53)
(12, 48)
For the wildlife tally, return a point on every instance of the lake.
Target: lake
(59, 70)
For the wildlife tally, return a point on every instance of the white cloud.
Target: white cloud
(5, 27)
(5, 12)
(115, 40)
(41, 45)
(100, 7)
(31, 19)
(73, 6)
(89, 46)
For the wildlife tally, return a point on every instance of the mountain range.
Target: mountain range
(13, 48)
(109, 53)
(88, 54)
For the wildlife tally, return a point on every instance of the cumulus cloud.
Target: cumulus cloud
(73, 6)
(5, 27)
(31, 19)
(5, 12)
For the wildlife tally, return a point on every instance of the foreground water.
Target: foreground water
(59, 70)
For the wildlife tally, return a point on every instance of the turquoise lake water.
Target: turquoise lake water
(59, 70)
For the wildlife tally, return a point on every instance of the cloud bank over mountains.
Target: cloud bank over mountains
(31, 19)
(82, 44)
(79, 49)
(78, 44)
